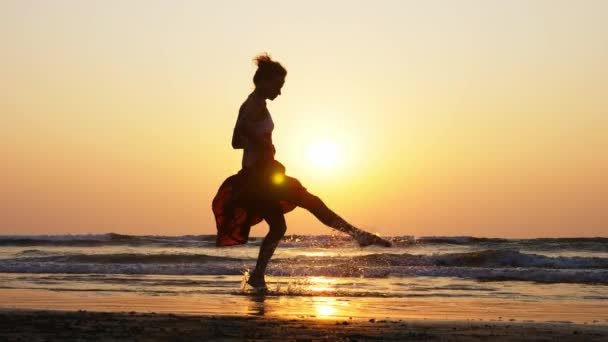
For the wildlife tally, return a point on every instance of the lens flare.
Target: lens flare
(278, 178)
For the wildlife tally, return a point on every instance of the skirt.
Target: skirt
(245, 199)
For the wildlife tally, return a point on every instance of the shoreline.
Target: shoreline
(34, 325)
(281, 306)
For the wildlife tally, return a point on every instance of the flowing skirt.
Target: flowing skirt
(244, 199)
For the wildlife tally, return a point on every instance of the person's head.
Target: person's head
(269, 78)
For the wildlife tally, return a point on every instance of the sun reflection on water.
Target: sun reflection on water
(314, 297)
(318, 254)
(321, 284)
(329, 307)
(325, 306)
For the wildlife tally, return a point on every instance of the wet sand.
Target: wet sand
(41, 315)
(33, 325)
(309, 307)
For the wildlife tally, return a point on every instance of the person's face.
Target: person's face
(272, 87)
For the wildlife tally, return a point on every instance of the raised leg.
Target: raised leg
(316, 206)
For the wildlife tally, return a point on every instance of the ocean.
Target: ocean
(309, 269)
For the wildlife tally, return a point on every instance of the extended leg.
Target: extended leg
(316, 206)
(278, 227)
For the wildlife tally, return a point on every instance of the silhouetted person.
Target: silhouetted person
(261, 190)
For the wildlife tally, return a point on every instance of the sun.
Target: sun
(324, 155)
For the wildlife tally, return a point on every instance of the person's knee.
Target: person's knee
(310, 201)
(277, 231)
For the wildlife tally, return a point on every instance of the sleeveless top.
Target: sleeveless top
(248, 133)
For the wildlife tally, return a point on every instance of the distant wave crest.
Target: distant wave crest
(488, 265)
(596, 244)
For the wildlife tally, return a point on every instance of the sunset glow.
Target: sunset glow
(484, 118)
(324, 155)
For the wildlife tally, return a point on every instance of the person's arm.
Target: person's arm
(252, 115)
(244, 133)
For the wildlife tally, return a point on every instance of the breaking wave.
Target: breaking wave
(597, 244)
(488, 265)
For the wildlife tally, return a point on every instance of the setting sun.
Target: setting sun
(328, 170)
(324, 155)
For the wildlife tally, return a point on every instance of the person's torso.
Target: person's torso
(252, 109)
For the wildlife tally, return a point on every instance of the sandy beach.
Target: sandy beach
(320, 289)
(30, 325)
(303, 170)
(41, 315)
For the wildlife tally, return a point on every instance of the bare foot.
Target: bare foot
(371, 239)
(257, 281)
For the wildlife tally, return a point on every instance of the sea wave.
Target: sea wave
(595, 244)
(486, 258)
(129, 258)
(35, 253)
(110, 239)
(486, 265)
(482, 274)
(456, 240)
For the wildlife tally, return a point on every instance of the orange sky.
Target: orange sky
(485, 118)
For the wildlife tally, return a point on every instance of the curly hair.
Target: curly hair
(267, 68)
